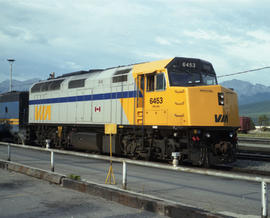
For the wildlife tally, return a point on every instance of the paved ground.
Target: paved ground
(23, 196)
(226, 196)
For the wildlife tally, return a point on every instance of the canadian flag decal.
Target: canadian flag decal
(97, 109)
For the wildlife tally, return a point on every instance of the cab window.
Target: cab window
(142, 83)
(156, 82)
(150, 83)
(160, 82)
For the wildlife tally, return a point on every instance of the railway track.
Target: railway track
(264, 141)
(253, 156)
(257, 149)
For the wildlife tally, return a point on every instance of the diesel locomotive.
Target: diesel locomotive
(160, 107)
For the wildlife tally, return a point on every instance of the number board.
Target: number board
(189, 64)
(158, 100)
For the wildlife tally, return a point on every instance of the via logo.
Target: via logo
(221, 118)
(97, 109)
(43, 112)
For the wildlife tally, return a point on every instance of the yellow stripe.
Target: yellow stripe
(13, 121)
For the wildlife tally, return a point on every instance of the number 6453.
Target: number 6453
(158, 100)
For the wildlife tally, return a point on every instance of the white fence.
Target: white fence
(261, 179)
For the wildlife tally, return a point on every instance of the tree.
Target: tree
(263, 120)
(252, 125)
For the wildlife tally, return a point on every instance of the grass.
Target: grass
(74, 177)
(255, 110)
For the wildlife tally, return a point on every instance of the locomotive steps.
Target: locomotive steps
(108, 192)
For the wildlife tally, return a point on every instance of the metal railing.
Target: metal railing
(262, 179)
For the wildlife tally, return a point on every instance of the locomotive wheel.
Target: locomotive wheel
(205, 162)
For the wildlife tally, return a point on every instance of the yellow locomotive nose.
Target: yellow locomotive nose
(212, 106)
(203, 106)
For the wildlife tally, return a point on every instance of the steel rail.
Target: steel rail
(253, 156)
(254, 140)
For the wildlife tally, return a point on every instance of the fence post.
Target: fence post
(264, 200)
(9, 153)
(124, 175)
(52, 161)
(48, 141)
(176, 156)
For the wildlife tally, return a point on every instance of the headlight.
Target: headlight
(221, 98)
(231, 134)
(207, 135)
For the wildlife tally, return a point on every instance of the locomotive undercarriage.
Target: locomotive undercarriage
(201, 146)
(218, 148)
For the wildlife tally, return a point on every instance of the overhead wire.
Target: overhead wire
(246, 71)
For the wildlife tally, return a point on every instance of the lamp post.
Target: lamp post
(11, 61)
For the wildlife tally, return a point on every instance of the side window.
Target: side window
(55, 85)
(150, 83)
(46, 86)
(122, 76)
(156, 82)
(118, 79)
(142, 83)
(160, 82)
(36, 87)
(76, 83)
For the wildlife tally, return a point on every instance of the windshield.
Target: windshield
(191, 72)
(209, 79)
(186, 78)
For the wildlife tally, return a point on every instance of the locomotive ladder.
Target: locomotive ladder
(139, 104)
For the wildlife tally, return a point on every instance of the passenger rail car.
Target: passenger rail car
(160, 107)
(13, 115)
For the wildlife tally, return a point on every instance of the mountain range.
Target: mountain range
(247, 92)
(253, 100)
(17, 85)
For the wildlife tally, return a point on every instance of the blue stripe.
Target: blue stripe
(95, 97)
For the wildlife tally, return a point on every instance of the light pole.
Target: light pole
(11, 61)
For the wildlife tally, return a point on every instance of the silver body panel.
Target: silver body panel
(61, 107)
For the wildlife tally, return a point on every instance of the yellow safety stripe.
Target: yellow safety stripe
(10, 121)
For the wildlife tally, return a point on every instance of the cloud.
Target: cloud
(162, 41)
(65, 35)
(260, 35)
(22, 34)
(156, 56)
(211, 36)
(71, 65)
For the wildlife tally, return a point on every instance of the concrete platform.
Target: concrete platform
(217, 195)
(23, 196)
(109, 192)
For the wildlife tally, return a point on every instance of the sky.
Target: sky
(65, 36)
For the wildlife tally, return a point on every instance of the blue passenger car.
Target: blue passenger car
(13, 114)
